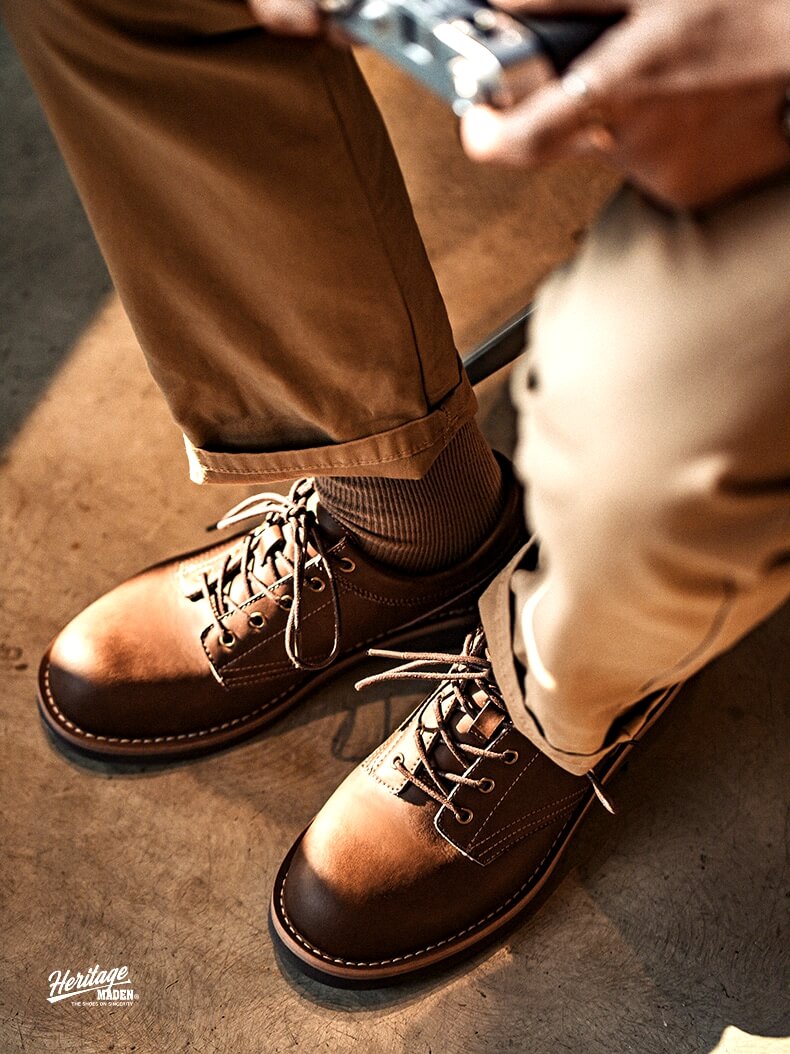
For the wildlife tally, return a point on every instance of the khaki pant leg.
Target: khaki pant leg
(245, 194)
(655, 445)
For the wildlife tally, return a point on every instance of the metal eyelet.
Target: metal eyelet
(486, 785)
(464, 816)
(256, 620)
(227, 639)
(318, 585)
(347, 564)
(510, 757)
(286, 601)
(397, 759)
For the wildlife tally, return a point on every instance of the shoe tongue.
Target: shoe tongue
(477, 730)
(276, 539)
(485, 725)
(273, 556)
(331, 531)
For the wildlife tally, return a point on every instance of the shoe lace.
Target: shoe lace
(465, 688)
(263, 555)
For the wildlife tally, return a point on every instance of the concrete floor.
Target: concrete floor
(667, 928)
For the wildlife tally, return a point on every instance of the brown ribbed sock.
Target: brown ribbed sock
(426, 524)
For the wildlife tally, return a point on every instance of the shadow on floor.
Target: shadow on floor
(52, 276)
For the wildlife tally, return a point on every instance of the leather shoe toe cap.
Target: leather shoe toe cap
(356, 889)
(129, 666)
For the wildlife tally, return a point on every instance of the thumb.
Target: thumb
(547, 125)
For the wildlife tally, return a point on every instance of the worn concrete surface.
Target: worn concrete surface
(668, 923)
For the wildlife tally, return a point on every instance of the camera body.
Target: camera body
(464, 50)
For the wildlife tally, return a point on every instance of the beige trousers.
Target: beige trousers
(654, 418)
(246, 197)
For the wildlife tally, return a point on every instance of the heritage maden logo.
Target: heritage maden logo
(111, 987)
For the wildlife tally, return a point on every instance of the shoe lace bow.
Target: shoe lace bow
(465, 686)
(277, 547)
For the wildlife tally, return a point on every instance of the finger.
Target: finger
(287, 17)
(630, 52)
(540, 127)
(537, 130)
(550, 124)
(558, 8)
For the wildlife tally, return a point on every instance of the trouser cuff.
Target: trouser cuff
(501, 621)
(405, 452)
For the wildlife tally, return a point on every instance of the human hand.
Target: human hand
(294, 18)
(682, 96)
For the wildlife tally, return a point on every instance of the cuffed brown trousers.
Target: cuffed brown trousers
(246, 197)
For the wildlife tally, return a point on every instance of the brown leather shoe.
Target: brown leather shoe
(438, 839)
(209, 647)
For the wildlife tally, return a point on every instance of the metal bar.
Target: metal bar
(502, 347)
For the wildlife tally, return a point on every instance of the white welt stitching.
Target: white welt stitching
(77, 731)
(429, 947)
